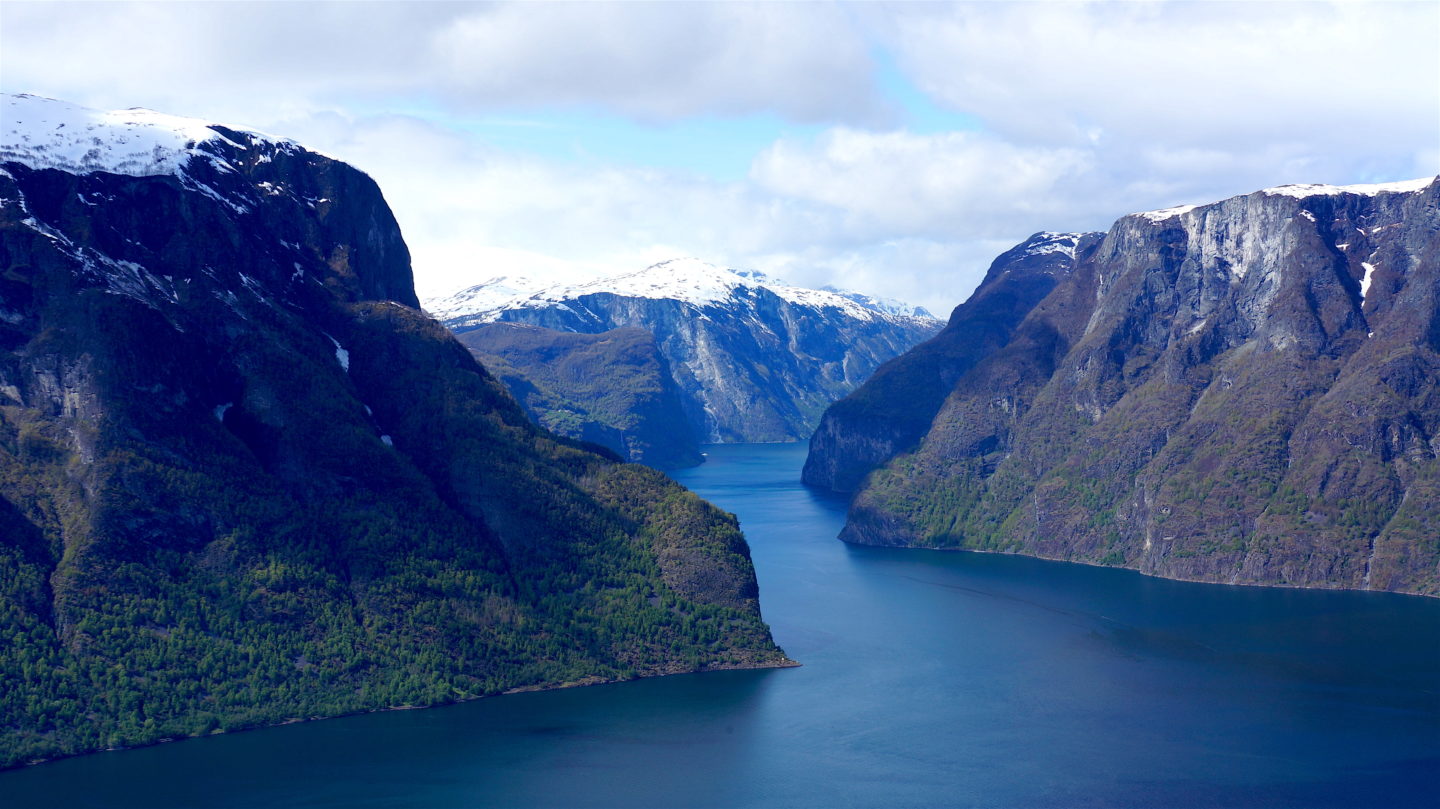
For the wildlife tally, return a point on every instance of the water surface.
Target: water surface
(930, 679)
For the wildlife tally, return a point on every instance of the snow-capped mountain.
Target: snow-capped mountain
(218, 398)
(758, 359)
(485, 296)
(686, 280)
(261, 182)
(1243, 391)
(45, 133)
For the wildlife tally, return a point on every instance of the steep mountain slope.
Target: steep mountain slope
(613, 388)
(1241, 392)
(893, 409)
(244, 480)
(754, 359)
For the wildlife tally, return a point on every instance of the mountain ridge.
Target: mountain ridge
(756, 360)
(687, 280)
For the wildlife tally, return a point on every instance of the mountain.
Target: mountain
(754, 359)
(893, 409)
(613, 388)
(244, 480)
(1243, 392)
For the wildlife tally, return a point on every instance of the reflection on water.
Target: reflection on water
(929, 679)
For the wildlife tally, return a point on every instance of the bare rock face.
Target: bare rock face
(244, 479)
(755, 360)
(1239, 392)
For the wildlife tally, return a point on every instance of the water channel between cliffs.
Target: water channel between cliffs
(929, 679)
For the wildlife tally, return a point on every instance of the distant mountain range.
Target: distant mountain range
(1246, 391)
(245, 480)
(754, 359)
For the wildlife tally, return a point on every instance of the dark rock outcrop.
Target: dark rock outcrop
(1243, 392)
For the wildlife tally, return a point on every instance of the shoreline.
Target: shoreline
(785, 663)
(1314, 587)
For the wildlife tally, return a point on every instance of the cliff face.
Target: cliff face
(1240, 392)
(243, 479)
(613, 388)
(892, 410)
(754, 360)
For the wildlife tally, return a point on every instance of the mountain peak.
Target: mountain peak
(1045, 242)
(1043, 253)
(46, 133)
(71, 175)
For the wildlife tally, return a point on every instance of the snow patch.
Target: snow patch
(119, 277)
(220, 411)
(1166, 213)
(387, 441)
(1365, 282)
(341, 355)
(1046, 243)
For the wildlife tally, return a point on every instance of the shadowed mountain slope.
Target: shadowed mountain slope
(243, 479)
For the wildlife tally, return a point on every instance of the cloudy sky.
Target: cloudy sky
(890, 148)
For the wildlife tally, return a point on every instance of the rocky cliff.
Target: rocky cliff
(892, 410)
(755, 360)
(1241, 392)
(243, 479)
(613, 388)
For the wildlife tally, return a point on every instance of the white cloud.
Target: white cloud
(902, 185)
(471, 212)
(1363, 77)
(664, 60)
(651, 60)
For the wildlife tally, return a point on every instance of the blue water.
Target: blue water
(930, 679)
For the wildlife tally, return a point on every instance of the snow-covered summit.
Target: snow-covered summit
(888, 306)
(1166, 213)
(1302, 191)
(1045, 242)
(687, 280)
(44, 133)
(483, 297)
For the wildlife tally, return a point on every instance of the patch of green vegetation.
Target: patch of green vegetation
(612, 388)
